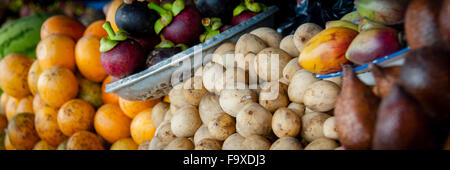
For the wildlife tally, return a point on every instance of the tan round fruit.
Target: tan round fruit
(321, 96)
(232, 100)
(209, 107)
(47, 126)
(201, 133)
(57, 85)
(164, 133)
(222, 126)
(272, 96)
(286, 143)
(185, 121)
(233, 142)
(14, 73)
(298, 85)
(21, 131)
(313, 126)
(286, 123)
(256, 142)
(84, 140)
(193, 90)
(253, 119)
(159, 112)
(124, 144)
(142, 127)
(111, 123)
(33, 77)
(322, 144)
(208, 144)
(180, 144)
(270, 62)
(74, 116)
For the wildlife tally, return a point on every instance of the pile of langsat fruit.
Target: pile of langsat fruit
(58, 101)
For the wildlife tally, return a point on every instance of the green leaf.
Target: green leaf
(239, 9)
(177, 7)
(106, 44)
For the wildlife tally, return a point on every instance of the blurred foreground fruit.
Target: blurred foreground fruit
(325, 52)
(355, 112)
(13, 75)
(425, 75)
(401, 123)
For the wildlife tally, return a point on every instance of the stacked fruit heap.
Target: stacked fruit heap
(143, 33)
(58, 101)
(407, 109)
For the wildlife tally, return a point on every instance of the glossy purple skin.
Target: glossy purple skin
(185, 28)
(372, 44)
(148, 43)
(244, 16)
(124, 59)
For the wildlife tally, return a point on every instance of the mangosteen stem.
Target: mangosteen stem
(109, 30)
(157, 8)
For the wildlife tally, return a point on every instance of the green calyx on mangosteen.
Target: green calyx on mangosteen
(109, 42)
(212, 27)
(167, 12)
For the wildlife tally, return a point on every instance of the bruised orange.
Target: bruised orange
(3, 100)
(132, 108)
(13, 75)
(74, 116)
(88, 58)
(61, 24)
(57, 85)
(38, 103)
(33, 76)
(8, 145)
(11, 107)
(84, 140)
(56, 50)
(96, 29)
(109, 98)
(47, 126)
(111, 123)
(21, 131)
(25, 105)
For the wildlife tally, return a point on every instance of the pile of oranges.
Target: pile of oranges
(58, 101)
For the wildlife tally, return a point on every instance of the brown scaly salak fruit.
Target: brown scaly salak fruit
(421, 23)
(384, 78)
(444, 22)
(425, 75)
(401, 123)
(355, 112)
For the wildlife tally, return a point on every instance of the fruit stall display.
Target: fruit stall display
(53, 74)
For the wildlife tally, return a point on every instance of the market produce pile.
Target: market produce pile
(241, 100)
